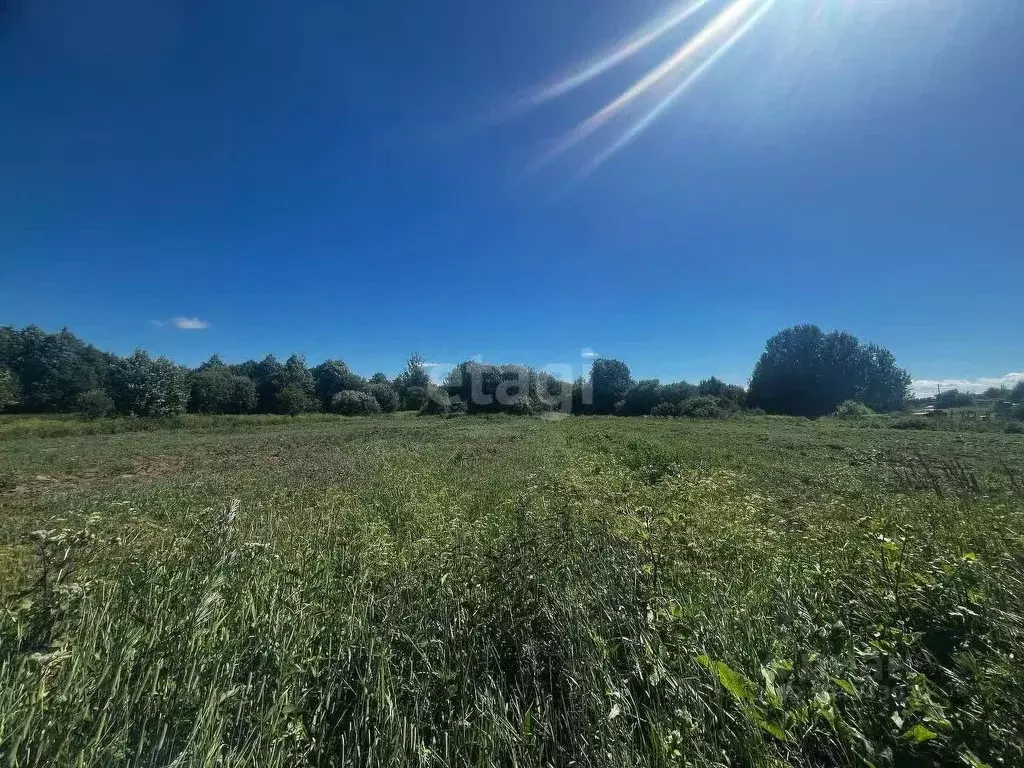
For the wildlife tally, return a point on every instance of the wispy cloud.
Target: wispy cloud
(182, 323)
(189, 323)
(925, 387)
(588, 353)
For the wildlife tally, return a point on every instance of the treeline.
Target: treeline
(802, 372)
(954, 398)
(59, 373)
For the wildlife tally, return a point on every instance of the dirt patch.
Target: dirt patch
(155, 466)
(144, 467)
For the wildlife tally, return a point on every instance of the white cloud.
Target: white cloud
(927, 387)
(189, 323)
(588, 353)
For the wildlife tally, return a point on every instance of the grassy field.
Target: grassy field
(403, 591)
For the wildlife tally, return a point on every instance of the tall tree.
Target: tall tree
(144, 386)
(805, 372)
(215, 389)
(332, 377)
(298, 379)
(611, 381)
(414, 383)
(53, 370)
(641, 398)
(8, 389)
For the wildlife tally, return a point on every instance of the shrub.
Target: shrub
(701, 407)
(385, 395)
(95, 404)
(851, 409)
(664, 410)
(414, 398)
(913, 422)
(437, 402)
(520, 406)
(352, 403)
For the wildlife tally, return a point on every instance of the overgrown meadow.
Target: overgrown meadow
(403, 591)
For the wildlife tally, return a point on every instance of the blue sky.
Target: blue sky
(359, 181)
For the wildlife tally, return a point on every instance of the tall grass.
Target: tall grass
(611, 609)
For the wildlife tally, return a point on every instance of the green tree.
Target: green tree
(52, 369)
(214, 363)
(215, 389)
(641, 398)
(954, 398)
(996, 393)
(8, 389)
(414, 383)
(610, 380)
(95, 404)
(144, 386)
(1017, 393)
(385, 395)
(678, 392)
(268, 375)
(296, 377)
(805, 372)
(334, 376)
(293, 400)
(728, 394)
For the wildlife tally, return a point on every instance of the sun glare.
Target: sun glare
(701, 49)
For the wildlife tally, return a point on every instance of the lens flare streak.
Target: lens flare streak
(617, 56)
(690, 61)
(726, 19)
(645, 122)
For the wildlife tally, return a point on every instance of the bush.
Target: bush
(665, 410)
(913, 422)
(385, 395)
(851, 409)
(351, 403)
(521, 406)
(1015, 427)
(702, 407)
(414, 398)
(437, 402)
(95, 404)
